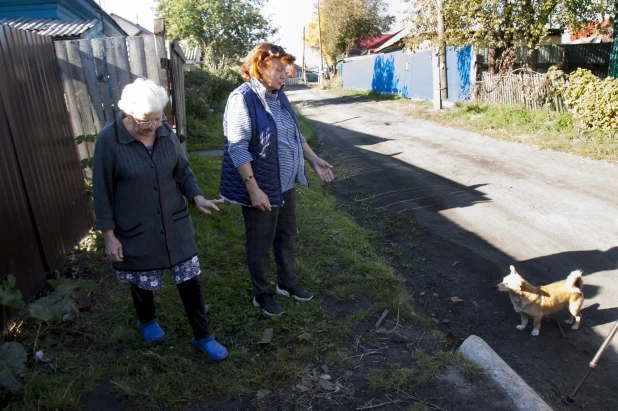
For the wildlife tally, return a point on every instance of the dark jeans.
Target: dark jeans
(274, 228)
(192, 297)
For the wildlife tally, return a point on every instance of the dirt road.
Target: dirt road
(488, 204)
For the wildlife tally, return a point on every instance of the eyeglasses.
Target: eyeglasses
(147, 125)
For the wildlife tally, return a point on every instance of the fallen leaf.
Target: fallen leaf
(456, 299)
(267, 337)
(423, 293)
(305, 337)
(325, 368)
(325, 377)
(83, 300)
(381, 330)
(455, 263)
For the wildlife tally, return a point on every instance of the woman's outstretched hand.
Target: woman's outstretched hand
(323, 169)
(203, 205)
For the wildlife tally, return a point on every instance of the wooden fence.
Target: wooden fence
(43, 199)
(95, 71)
(527, 89)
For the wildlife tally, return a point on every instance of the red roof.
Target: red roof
(372, 43)
(591, 30)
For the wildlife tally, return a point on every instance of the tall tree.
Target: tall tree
(501, 23)
(345, 24)
(225, 30)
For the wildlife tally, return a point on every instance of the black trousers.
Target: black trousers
(266, 229)
(192, 296)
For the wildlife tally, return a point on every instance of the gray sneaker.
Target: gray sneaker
(268, 304)
(297, 292)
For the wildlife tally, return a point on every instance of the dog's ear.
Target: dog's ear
(513, 270)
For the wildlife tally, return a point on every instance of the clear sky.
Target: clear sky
(290, 16)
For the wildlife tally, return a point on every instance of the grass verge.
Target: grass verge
(426, 368)
(543, 128)
(102, 347)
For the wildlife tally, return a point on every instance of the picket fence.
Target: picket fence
(526, 89)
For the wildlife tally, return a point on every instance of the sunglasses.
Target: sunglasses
(274, 51)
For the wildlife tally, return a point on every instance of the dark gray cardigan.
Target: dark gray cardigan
(141, 197)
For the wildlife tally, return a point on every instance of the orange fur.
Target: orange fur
(546, 299)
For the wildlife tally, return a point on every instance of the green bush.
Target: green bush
(206, 93)
(593, 102)
(206, 89)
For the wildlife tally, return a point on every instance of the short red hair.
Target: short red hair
(262, 54)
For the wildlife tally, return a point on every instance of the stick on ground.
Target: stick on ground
(382, 317)
(378, 405)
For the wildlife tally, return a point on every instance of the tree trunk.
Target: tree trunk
(564, 61)
(531, 59)
(491, 60)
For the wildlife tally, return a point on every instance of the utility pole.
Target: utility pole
(442, 52)
(304, 72)
(321, 74)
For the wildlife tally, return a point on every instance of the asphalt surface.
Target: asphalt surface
(545, 212)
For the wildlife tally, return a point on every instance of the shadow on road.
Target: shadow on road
(397, 188)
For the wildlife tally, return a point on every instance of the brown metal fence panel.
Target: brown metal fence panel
(19, 249)
(44, 145)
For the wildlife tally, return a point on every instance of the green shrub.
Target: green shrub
(593, 102)
(206, 93)
(205, 90)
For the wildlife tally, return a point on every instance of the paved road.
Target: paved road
(547, 213)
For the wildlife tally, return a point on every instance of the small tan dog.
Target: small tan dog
(539, 301)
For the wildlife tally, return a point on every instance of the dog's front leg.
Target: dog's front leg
(524, 321)
(537, 325)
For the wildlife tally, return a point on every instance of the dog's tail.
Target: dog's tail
(575, 282)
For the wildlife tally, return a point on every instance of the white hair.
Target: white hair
(143, 97)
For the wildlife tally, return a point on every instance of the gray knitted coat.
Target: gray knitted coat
(142, 197)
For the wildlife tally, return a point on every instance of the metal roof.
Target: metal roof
(192, 54)
(52, 27)
(393, 40)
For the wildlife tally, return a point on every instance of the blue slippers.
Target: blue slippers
(151, 331)
(211, 348)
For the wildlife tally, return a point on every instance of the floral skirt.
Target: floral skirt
(153, 280)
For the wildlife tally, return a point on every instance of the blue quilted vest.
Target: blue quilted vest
(263, 148)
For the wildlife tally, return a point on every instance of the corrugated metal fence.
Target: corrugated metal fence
(410, 75)
(43, 200)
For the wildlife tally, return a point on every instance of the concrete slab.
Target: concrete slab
(524, 397)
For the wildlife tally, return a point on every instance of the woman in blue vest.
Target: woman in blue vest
(262, 161)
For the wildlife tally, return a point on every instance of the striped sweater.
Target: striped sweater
(237, 128)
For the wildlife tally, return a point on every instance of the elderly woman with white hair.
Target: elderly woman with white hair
(141, 178)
